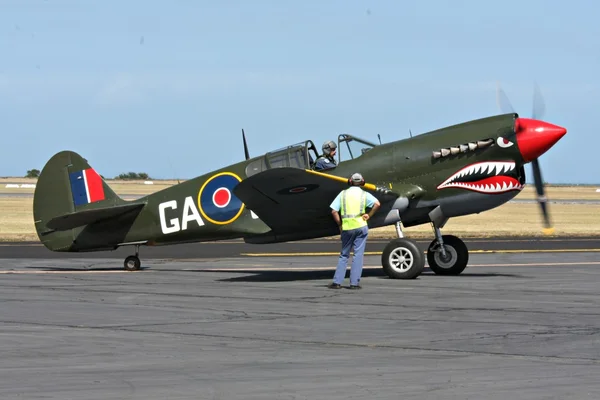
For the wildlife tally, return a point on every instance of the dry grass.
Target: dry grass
(513, 220)
(120, 187)
(563, 193)
(139, 188)
(16, 221)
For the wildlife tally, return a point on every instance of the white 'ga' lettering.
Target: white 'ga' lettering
(190, 213)
(163, 223)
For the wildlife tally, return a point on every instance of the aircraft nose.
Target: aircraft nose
(535, 137)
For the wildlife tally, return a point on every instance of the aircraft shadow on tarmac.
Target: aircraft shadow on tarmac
(270, 275)
(285, 276)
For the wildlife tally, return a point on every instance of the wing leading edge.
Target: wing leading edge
(294, 202)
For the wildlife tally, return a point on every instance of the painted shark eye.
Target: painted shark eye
(504, 143)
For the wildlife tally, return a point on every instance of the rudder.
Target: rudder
(66, 185)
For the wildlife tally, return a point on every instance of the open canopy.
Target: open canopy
(303, 155)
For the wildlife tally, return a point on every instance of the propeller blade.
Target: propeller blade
(539, 107)
(502, 101)
(541, 196)
(538, 110)
(246, 153)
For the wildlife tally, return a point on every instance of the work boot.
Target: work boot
(334, 286)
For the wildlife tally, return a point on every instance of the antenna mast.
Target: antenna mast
(246, 153)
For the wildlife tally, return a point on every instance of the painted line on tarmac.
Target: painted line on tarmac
(546, 264)
(374, 240)
(377, 253)
(310, 254)
(64, 272)
(525, 239)
(16, 244)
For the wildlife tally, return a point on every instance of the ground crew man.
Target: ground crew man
(349, 212)
(327, 160)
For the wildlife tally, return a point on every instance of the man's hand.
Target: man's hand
(366, 216)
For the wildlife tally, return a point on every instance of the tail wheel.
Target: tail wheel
(402, 259)
(456, 259)
(132, 263)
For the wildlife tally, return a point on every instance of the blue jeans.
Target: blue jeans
(356, 238)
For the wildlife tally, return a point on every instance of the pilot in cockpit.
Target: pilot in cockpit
(327, 160)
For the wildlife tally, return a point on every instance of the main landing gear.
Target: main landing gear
(402, 258)
(133, 263)
(446, 254)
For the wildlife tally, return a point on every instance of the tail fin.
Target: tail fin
(69, 193)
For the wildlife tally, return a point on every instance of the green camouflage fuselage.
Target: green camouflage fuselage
(412, 168)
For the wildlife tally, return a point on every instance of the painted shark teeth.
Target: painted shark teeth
(493, 180)
(484, 143)
(489, 168)
(498, 187)
(462, 148)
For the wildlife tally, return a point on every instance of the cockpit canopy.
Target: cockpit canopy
(351, 147)
(304, 154)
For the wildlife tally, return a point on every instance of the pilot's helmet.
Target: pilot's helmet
(328, 146)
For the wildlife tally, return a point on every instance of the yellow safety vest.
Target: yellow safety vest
(353, 204)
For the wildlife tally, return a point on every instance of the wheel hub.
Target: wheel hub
(401, 259)
(448, 260)
(445, 257)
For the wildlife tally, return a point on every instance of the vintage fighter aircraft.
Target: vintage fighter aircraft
(458, 170)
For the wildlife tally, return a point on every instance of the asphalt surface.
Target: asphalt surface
(514, 325)
(235, 248)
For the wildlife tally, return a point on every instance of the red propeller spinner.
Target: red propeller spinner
(535, 137)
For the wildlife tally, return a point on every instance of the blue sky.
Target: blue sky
(165, 87)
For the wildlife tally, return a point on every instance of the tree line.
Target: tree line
(35, 173)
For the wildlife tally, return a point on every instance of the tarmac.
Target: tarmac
(235, 321)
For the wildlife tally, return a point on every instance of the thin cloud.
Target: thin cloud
(123, 90)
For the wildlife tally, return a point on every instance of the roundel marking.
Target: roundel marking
(216, 200)
(221, 197)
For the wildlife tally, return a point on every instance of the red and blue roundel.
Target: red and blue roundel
(216, 200)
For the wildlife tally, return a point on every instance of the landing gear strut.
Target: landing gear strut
(447, 254)
(402, 258)
(132, 263)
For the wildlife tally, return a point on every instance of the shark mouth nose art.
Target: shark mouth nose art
(485, 177)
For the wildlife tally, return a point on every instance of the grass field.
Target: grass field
(16, 218)
(120, 187)
(139, 188)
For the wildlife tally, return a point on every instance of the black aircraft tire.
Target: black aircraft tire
(458, 252)
(132, 263)
(402, 259)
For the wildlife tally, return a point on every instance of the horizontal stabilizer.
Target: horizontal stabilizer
(79, 218)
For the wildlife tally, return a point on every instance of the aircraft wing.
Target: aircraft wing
(292, 200)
